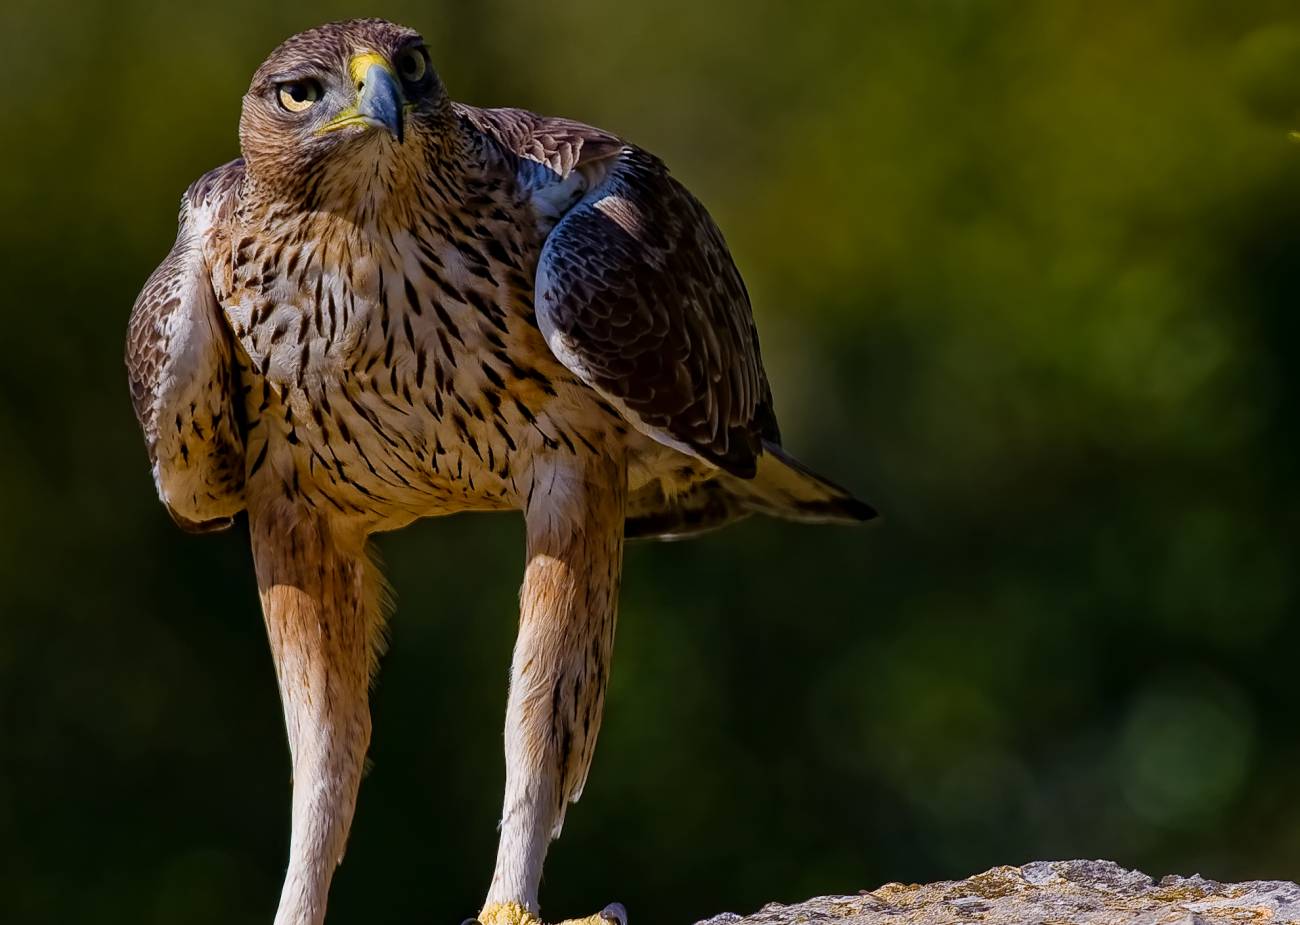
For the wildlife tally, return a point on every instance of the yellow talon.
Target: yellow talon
(515, 914)
(507, 914)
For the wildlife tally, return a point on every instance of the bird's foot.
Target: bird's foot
(613, 914)
(515, 914)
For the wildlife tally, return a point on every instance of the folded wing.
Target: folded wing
(181, 366)
(637, 293)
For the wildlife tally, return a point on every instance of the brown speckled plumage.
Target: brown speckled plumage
(395, 306)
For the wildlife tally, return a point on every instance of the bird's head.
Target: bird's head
(342, 107)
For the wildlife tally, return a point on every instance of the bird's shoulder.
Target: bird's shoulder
(205, 202)
(558, 144)
(209, 212)
(214, 197)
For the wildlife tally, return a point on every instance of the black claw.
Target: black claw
(614, 912)
(471, 922)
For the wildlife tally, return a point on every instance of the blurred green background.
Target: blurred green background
(1026, 276)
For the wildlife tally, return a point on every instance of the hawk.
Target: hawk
(395, 306)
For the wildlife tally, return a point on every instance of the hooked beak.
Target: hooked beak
(380, 100)
(380, 103)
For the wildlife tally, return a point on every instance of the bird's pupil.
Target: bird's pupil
(298, 92)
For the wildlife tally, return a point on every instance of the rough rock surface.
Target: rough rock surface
(1047, 893)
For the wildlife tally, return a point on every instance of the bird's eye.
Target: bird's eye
(412, 65)
(299, 95)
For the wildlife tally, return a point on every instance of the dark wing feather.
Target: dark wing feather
(637, 293)
(180, 363)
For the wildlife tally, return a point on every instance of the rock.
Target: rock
(1047, 893)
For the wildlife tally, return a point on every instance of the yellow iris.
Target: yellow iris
(299, 95)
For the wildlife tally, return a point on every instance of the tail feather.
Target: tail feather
(784, 487)
(704, 507)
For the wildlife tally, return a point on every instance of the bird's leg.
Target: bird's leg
(321, 598)
(568, 603)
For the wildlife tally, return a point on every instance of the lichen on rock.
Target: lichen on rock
(1047, 893)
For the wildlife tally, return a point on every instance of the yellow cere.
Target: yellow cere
(361, 63)
(357, 69)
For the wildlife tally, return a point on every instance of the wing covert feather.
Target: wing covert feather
(180, 364)
(637, 293)
(560, 145)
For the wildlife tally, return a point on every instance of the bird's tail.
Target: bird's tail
(784, 487)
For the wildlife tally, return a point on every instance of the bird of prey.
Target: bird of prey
(395, 306)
